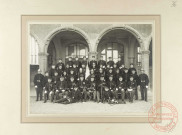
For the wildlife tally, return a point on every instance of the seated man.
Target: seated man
(103, 90)
(131, 87)
(82, 87)
(112, 88)
(92, 88)
(121, 86)
(48, 87)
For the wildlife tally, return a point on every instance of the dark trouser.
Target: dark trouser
(106, 95)
(121, 94)
(114, 94)
(77, 96)
(143, 92)
(131, 95)
(96, 95)
(46, 96)
(136, 94)
(39, 91)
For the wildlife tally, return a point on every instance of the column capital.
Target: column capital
(145, 52)
(43, 54)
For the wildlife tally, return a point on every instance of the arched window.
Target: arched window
(76, 49)
(34, 49)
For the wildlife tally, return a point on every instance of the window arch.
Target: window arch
(34, 50)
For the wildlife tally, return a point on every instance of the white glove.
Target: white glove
(35, 86)
(147, 86)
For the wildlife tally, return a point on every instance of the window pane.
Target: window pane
(104, 57)
(109, 53)
(103, 52)
(115, 54)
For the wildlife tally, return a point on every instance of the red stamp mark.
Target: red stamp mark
(163, 116)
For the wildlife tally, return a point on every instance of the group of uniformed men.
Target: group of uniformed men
(107, 82)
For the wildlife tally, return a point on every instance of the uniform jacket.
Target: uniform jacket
(60, 64)
(39, 80)
(111, 85)
(49, 86)
(61, 85)
(103, 62)
(143, 80)
(90, 64)
(111, 63)
(130, 70)
(132, 85)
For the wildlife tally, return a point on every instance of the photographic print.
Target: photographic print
(92, 69)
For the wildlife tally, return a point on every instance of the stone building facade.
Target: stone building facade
(131, 42)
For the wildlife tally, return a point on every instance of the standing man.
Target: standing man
(92, 62)
(143, 81)
(60, 63)
(131, 68)
(39, 84)
(101, 62)
(110, 62)
(77, 62)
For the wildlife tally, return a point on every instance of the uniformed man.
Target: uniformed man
(84, 61)
(122, 69)
(67, 69)
(93, 61)
(52, 70)
(126, 76)
(62, 86)
(48, 87)
(119, 63)
(110, 62)
(81, 72)
(102, 90)
(82, 84)
(77, 62)
(71, 85)
(117, 75)
(113, 94)
(75, 69)
(76, 94)
(92, 92)
(91, 73)
(46, 78)
(109, 73)
(55, 78)
(101, 62)
(70, 62)
(143, 82)
(60, 63)
(100, 73)
(65, 76)
(131, 68)
(39, 84)
(131, 87)
(60, 70)
(72, 74)
(53, 91)
(121, 86)
(136, 79)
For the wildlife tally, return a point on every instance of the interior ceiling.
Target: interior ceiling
(119, 34)
(68, 36)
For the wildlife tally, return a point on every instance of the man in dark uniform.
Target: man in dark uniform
(91, 85)
(110, 62)
(53, 91)
(143, 82)
(55, 78)
(81, 72)
(60, 70)
(60, 63)
(70, 62)
(101, 62)
(52, 70)
(39, 84)
(110, 72)
(131, 87)
(100, 73)
(103, 90)
(84, 61)
(77, 62)
(91, 73)
(131, 68)
(71, 85)
(121, 86)
(72, 73)
(93, 61)
(122, 69)
(82, 87)
(75, 69)
(113, 94)
(48, 87)
(46, 78)
(65, 76)
(136, 79)
(76, 94)
(61, 85)
(119, 63)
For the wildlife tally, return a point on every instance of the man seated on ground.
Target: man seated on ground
(131, 87)
(121, 86)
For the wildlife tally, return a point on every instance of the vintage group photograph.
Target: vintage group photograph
(90, 67)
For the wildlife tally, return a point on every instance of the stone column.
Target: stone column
(90, 54)
(43, 61)
(145, 61)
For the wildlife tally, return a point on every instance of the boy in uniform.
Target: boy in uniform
(48, 87)
(121, 86)
(131, 87)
